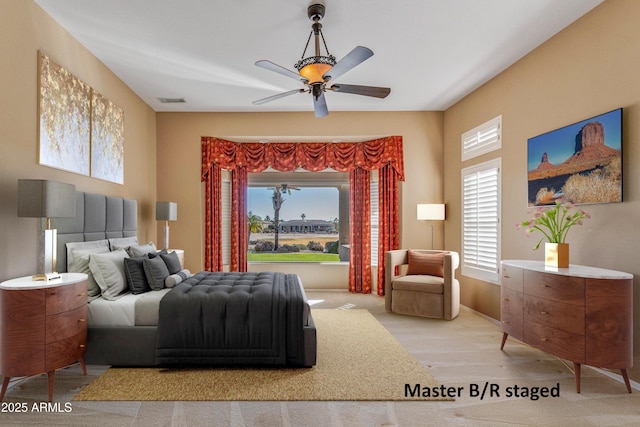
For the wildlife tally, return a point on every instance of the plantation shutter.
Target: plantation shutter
(482, 139)
(481, 221)
(226, 221)
(375, 225)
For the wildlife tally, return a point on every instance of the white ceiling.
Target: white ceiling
(431, 53)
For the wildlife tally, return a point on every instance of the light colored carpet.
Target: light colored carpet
(358, 359)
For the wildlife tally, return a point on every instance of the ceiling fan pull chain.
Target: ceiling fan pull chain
(306, 46)
(325, 44)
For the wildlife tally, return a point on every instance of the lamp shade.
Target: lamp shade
(431, 212)
(38, 198)
(166, 211)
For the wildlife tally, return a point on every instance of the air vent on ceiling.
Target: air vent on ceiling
(172, 100)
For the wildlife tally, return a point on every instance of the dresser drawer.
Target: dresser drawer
(65, 351)
(568, 289)
(558, 315)
(67, 324)
(65, 298)
(511, 278)
(511, 313)
(559, 343)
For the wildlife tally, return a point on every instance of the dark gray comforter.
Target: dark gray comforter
(232, 319)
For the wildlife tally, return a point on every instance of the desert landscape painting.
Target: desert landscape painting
(580, 163)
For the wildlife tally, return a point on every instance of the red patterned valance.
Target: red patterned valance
(312, 156)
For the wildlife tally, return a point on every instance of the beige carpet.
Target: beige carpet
(358, 359)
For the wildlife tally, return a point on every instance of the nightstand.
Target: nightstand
(43, 326)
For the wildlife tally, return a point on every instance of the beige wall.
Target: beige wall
(588, 69)
(25, 29)
(179, 161)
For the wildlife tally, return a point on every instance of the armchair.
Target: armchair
(428, 288)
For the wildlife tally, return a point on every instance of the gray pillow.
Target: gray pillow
(177, 278)
(136, 277)
(172, 261)
(108, 270)
(156, 271)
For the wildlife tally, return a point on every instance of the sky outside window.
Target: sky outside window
(314, 202)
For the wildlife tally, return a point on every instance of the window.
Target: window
(481, 221)
(226, 219)
(308, 218)
(375, 225)
(482, 139)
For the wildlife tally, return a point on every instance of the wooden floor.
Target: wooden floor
(462, 354)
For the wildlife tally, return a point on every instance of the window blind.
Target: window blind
(481, 221)
(375, 224)
(226, 221)
(482, 139)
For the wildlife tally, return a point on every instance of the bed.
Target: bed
(202, 319)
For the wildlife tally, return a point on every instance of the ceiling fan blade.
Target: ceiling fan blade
(278, 96)
(320, 105)
(358, 55)
(377, 92)
(268, 65)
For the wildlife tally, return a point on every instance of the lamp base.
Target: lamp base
(46, 276)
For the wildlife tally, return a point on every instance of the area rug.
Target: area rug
(358, 359)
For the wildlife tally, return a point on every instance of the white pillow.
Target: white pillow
(81, 265)
(122, 242)
(108, 270)
(83, 246)
(142, 250)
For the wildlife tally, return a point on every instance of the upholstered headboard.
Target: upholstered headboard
(97, 217)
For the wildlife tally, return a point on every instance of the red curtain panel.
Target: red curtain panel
(360, 223)
(239, 224)
(213, 219)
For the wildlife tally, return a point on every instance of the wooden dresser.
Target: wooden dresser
(43, 326)
(582, 314)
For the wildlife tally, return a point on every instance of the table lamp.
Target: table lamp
(431, 212)
(38, 198)
(166, 211)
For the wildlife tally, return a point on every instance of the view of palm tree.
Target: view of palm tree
(277, 237)
(255, 224)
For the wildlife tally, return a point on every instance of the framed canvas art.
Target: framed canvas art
(64, 118)
(107, 140)
(580, 163)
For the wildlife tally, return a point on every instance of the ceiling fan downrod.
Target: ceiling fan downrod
(314, 67)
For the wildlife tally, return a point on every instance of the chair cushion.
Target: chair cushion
(419, 283)
(430, 263)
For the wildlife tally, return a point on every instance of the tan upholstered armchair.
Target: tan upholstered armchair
(428, 288)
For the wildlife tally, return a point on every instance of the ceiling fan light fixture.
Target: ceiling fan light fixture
(315, 67)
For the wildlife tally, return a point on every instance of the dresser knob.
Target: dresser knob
(82, 346)
(82, 295)
(544, 339)
(544, 312)
(505, 299)
(82, 320)
(505, 322)
(506, 276)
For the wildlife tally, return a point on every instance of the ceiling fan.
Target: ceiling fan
(316, 72)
